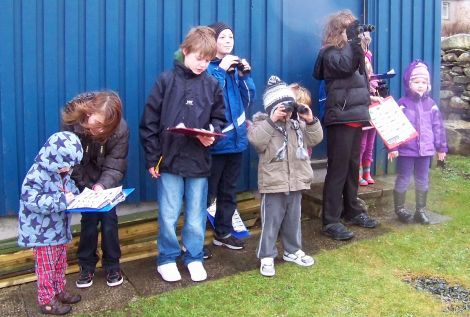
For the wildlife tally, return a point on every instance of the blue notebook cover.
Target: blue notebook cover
(125, 191)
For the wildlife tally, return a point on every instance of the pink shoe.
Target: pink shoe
(370, 180)
(363, 182)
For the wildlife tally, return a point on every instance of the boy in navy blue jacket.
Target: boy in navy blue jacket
(233, 75)
(186, 94)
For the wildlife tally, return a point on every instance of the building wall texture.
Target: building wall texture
(53, 49)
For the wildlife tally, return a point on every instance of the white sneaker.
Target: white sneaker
(267, 267)
(299, 258)
(169, 272)
(197, 271)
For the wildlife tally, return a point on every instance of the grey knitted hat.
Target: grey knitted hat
(276, 92)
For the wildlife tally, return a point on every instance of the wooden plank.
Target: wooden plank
(137, 239)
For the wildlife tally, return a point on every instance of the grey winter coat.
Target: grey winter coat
(42, 219)
(287, 175)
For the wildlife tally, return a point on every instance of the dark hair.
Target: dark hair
(81, 107)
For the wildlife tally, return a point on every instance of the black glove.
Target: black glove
(352, 31)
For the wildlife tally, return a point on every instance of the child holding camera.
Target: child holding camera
(340, 63)
(233, 76)
(281, 137)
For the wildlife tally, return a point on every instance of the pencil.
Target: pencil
(157, 167)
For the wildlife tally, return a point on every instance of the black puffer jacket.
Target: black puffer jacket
(180, 96)
(348, 96)
(104, 164)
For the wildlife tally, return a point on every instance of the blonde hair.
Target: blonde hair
(81, 107)
(334, 28)
(200, 39)
(302, 95)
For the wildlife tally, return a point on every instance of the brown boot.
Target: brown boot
(67, 298)
(55, 308)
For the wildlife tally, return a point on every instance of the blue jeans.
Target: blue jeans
(171, 189)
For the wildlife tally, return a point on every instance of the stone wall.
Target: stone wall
(455, 91)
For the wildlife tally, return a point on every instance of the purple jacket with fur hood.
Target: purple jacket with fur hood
(425, 117)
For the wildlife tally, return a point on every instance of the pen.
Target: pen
(157, 167)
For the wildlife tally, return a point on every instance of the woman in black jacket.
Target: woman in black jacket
(96, 118)
(340, 63)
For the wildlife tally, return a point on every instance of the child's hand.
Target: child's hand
(279, 114)
(228, 61)
(69, 197)
(307, 116)
(376, 99)
(246, 67)
(392, 155)
(98, 187)
(153, 172)
(205, 140)
(441, 156)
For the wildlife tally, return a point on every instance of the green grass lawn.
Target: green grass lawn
(364, 278)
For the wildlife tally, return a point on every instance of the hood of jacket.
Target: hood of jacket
(406, 80)
(62, 149)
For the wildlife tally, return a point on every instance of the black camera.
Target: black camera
(361, 28)
(237, 64)
(294, 106)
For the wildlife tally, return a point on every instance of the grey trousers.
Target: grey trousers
(280, 216)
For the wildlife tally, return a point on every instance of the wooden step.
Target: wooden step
(137, 236)
(378, 197)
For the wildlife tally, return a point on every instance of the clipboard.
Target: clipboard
(125, 191)
(194, 132)
(391, 123)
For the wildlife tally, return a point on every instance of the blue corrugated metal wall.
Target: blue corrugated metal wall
(53, 49)
(406, 30)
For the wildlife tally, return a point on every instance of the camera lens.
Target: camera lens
(289, 106)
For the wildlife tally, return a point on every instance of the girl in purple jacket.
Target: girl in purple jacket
(414, 157)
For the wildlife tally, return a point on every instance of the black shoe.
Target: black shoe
(363, 220)
(114, 278)
(55, 307)
(85, 279)
(230, 242)
(68, 298)
(207, 253)
(337, 231)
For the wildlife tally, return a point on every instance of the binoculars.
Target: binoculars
(294, 106)
(361, 28)
(237, 64)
